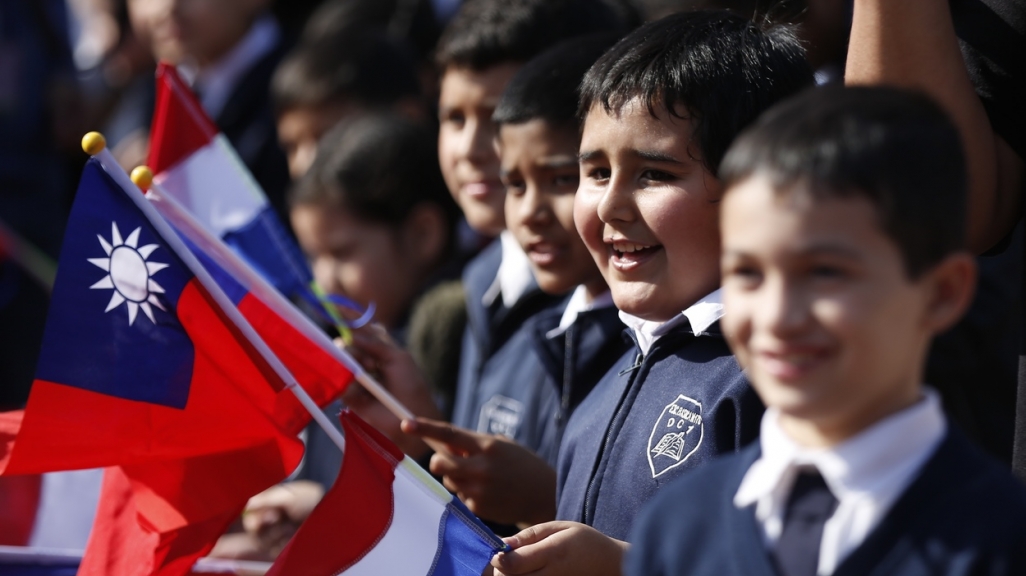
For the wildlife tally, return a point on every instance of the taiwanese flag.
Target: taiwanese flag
(196, 164)
(320, 367)
(386, 515)
(139, 363)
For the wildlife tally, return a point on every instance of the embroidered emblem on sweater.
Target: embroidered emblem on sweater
(501, 415)
(676, 435)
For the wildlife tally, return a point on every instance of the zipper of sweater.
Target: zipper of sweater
(606, 440)
(637, 364)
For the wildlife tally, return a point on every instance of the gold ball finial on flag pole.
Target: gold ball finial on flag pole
(143, 177)
(93, 143)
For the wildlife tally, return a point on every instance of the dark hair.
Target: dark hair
(379, 167)
(411, 21)
(721, 68)
(546, 87)
(893, 147)
(365, 67)
(486, 33)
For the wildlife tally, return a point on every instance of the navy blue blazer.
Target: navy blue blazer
(572, 363)
(647, 421)
(963, 515)
(501, 387)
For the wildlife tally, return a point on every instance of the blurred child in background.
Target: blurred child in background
(326, 79)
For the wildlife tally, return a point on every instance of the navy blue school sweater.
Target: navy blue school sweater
(573, 361)
(501, 387)
(963, 515)
(649, 420)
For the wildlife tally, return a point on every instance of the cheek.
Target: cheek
(586, 219)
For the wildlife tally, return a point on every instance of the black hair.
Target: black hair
(408, 21)
(716, 69)
(893, 147)
(546, 87)
(486, 33)
(379, 167)
(364, 67)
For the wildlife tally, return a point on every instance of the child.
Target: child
(488, 41)
(660, 109)
(228, 49)
(373, 215)
(325, 79)
(843, 255)
(574, 344)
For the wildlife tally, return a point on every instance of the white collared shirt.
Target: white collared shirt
(701, 315)
(514, 277)
(866, 473)
(579, 302)
(217, 81)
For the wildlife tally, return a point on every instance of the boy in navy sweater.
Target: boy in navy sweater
(843, 255)
(573, 344)
(660, 109)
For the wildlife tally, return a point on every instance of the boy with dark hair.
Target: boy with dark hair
(487, 42)
(843, 255)
(326, 79)
(570, 346)
(660, 109)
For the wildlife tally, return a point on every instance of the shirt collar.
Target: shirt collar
(578, 304)
(701, 315)
(514, 276)
(866, 473)
(216, 82)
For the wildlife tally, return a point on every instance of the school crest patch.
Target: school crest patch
(676, 435)
(500, 415)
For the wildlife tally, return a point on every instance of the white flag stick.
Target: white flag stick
(94, 144)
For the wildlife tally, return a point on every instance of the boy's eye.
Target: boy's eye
(657, 176)
(566, 180)
(748, 275)
(827, 272)
(453, 117)
(598, 174)
(515, 187)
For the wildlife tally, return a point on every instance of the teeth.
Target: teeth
(628, 247)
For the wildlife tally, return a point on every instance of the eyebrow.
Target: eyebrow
(649, 155)
(560, 161)
(811, 250)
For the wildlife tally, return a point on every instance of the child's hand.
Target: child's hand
(395, 370)
(561, 548)
(494, 476)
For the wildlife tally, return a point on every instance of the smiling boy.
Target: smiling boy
(843, 255)
(660, 109)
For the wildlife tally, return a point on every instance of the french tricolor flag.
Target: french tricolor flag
(386, 515)
(195, 163)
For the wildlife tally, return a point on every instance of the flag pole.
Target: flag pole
(255, 283)
(95, 145)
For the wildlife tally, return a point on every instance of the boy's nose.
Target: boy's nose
(476, 141)
(616, 202)
(784, 309)
(534, 211)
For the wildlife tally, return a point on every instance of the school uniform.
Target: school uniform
(911, 497)
(576, 346)
(501, 387)
(676, 399)
(235, 92)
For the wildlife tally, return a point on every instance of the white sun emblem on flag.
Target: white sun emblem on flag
(129, 274)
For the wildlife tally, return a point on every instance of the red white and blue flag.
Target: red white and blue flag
(195, 163)
(386, 515)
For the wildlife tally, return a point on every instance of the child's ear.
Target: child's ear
(425, 233)
(952, 284)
